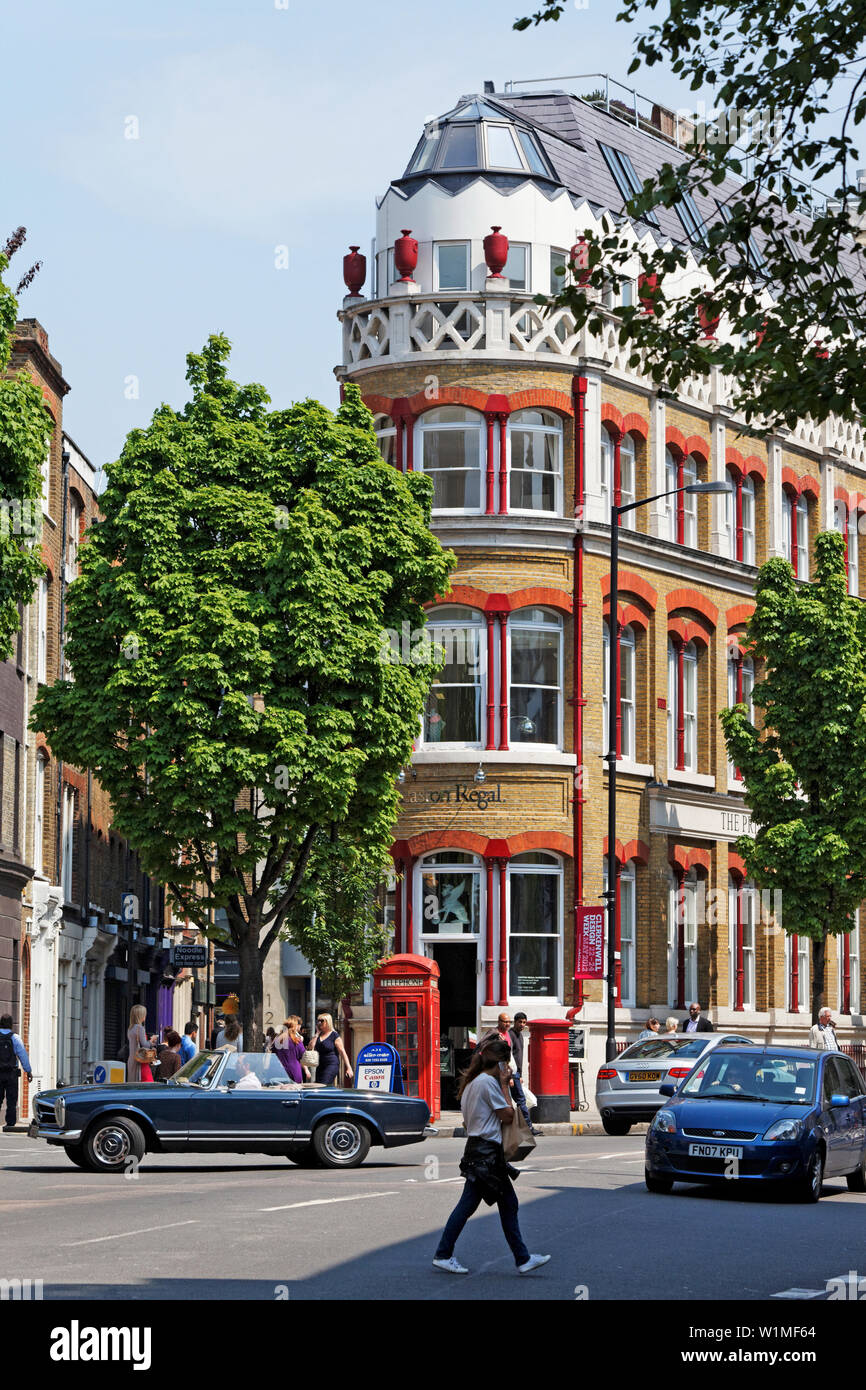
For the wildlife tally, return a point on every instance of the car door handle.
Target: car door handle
(290, 1102)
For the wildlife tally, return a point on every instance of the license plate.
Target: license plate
(644, 1076)
(716, 1150)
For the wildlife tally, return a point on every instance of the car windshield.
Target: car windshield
(198, 1071)
(663, 1047)
(744, 1076)
(248, 1071)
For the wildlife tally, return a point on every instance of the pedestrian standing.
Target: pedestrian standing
(169, 1058)
(12, 1051)
(139, 1042)
(269, 1040)
(289, 1047)
(823, 1033)
(696, 1024)
(329, 1046)
(515, 1037)
(486, 1107)
(651, 1031)
(232, 1038)
(188, 1047)
(672, 1025)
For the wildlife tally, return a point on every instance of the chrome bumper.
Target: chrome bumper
(62, 1136)
(430, 1131)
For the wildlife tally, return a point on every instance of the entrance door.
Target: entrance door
(458, 1009)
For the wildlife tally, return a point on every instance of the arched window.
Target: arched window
(626, 710)
(845, 522)
(535, 461)
(451, 894)
(747, 505)
(606, 479)
(682, 705)
(627, 474)
(849, 968)
(535, 926)
(788, 502)
(740, 512)
(386, 437)
(801, 567)
(625, 920)
(452, 714)
(742, 913)
(681, 509)
(683, 894)
(451, 450)
(535, 696)
(670, 502)
(796, 973)
(741, 683)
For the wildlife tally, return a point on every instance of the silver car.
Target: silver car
(627, 1089)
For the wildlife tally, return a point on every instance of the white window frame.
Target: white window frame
(515, 623)
(452, 289)
(547, 429)
(68, 842)
(747, 895)
(426, 424)
(690, 708)
(39, 816)
(450, 618)
(853, 555)
(627, 478)
(474, 868)
(787, 509)
(627, 701)
(554, 869)
(802, 537)
(854, 965)
(748, 503)
(558, 282)
(804, 1004)
(690, 933)
(42, 632)
(628, 934)
(526, 248)
(670, 502)
(605, 472)
(690, 503)
(729, 522)
(385, 431)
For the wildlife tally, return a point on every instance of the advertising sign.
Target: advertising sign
(191, 957)
(589, 946)
(377, 1068)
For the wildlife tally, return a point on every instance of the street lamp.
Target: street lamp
(616, 511)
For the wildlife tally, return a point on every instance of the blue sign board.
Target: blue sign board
(377, 1068)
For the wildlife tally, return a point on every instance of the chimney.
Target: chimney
(489, 88)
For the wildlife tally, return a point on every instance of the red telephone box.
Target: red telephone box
(406, 1015)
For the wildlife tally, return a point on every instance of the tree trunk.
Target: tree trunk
(251, 991)
(819, 959)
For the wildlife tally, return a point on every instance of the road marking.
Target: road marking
(330, 1201)
(122, 1235)
(801, 1293)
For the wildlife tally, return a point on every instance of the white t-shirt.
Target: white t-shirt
(479, 1102)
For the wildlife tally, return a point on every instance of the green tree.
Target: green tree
(334, 918)
(225, 636)
(785, 85)
(803, 770)
(25, 429)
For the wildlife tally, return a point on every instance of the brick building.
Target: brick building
(526, 423)
(72, 954)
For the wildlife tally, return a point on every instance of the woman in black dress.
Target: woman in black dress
(329, 1046)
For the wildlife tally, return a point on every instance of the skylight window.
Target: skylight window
(533, 158)
(461, 147)
(754, 254)
(476, 141)
(625, 178)
(502, 152)
(693, 224)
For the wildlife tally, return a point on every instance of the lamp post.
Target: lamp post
(616, 511)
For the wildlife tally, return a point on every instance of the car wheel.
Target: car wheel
(617, 1128)
(77, 1154)
(655, 1184)
(341, 1142)
(303, 1156)
(809, 1188)
(857, 1180)
(113, 1144)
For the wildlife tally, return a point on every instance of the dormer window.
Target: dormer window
(502, 151)
(478, 137)
(460, 148)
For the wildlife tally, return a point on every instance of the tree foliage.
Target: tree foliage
(786, 82)
(803, 770)
(25, 429)
(225, 636)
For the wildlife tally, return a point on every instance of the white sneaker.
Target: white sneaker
(534, 1262)
(452, 1266)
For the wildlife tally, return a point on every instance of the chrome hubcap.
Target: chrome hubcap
(342, 1140)
(817, 1173)
(111, 1145)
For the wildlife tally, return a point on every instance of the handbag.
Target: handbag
(531, 1098)
(145, 1055)
(517, 1139)
(310, 1059)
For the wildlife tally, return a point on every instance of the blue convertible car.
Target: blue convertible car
(785, 1116)
(225, 1102)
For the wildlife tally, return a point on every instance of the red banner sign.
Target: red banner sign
(589, 946)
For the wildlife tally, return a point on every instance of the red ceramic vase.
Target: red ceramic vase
(354, 270)
(495, 252)
(708, 321)
(579, 256)
(406, 254)
(646, 288)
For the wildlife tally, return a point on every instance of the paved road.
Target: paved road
(259, 1228)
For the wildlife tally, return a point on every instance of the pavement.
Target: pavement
(450, 1125)
(204, 1227)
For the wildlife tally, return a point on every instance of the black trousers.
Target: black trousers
(9, 1093)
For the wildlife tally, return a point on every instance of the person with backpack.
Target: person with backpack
(12, 1051)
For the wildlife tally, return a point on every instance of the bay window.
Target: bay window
(452, 713)
(535, 461)
(535, 698)
(386, 438)
(535, 925)
(450, 450)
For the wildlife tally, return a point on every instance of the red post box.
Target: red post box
(548, 1068)
(406, 1015)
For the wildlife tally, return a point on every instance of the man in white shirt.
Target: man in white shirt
(823, 1033)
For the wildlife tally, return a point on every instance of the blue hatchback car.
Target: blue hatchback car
(789, 1116)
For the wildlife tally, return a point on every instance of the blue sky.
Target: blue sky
(258, 126)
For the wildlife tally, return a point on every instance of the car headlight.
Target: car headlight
(666, 1121)
(785, 1129)
(60, 1111)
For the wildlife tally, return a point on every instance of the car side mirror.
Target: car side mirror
(666, 1089)
(840, 1100)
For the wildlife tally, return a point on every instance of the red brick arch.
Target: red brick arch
(541, 398)
(689, 632)
(541, 596)
(625, 424)
(632, 616)
(467, 396)
(630, 583)
(467, 840)
(675, 439)
(810, 486)
(635, 849)
(464, 594)
(736, 864)
(685, 858)
(753, 465)
(378, 405)
(552, 840)
(804, 483)
(696, 601)
(740, 613)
